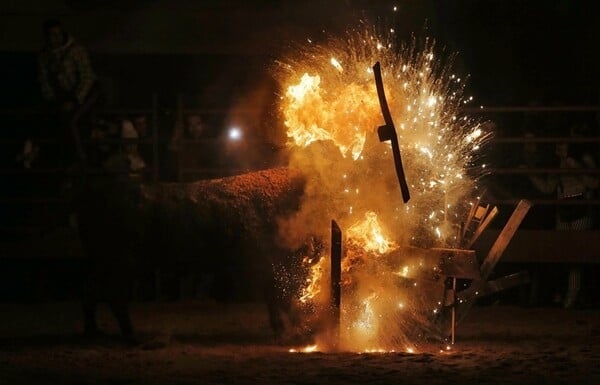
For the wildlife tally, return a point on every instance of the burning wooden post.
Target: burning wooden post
(336, 277)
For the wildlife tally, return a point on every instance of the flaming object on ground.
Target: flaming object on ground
(331, 112)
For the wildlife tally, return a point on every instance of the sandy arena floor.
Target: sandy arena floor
(207, 343)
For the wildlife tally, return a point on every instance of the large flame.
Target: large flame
(331, 113)
(369, 234)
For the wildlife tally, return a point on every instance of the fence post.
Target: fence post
(179, 124)
(155, 137)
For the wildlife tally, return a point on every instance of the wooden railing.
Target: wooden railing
(541, 242)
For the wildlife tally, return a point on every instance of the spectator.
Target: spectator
(195, 127)
(101, 148)
(188, 148)
(569, 187)
(137, 165)
(68, 84)
(533, 156)
(29, 154)
(145, 148)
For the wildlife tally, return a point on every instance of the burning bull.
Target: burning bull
(220, 225)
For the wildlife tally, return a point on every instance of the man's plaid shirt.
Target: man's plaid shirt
(66, 71)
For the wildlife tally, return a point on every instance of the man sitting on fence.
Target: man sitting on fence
(68, 84)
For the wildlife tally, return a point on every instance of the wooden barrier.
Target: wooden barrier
(546, 246)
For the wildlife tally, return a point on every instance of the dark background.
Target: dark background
(514, 51)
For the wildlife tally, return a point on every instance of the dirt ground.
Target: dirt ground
(209, 343)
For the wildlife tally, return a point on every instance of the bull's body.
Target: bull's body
(221, 225)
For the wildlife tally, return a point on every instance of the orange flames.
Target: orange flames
(313, 115)
(314, 280)
(331, 113)
(369, 235)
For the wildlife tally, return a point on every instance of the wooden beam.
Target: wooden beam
(481, 288)
(470, 218)
(388, 132)
(482, 226)
(504, 238)
(336, 278)
(460, 263)
(494, 255)
(547, 246)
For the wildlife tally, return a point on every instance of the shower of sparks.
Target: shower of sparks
(331, 112)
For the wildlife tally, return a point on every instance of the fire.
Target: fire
(313, 282)
(306, 91)
(312, 114)
(369, 234)
(306, 349)
(331, 112)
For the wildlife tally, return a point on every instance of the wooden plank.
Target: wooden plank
(481, 212)
(494, 254)
(504, 238)
(460, 263)
(481, 288)
(546, 246)
(482, 226)
(388, 132)
(470, 218)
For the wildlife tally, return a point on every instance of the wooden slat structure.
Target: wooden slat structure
(547, 246)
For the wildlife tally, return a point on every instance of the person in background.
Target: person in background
(137, 165)
(568, 187)
(188, 148)
(29, 154)
(145, 147)
(68, 85)
(195, 127)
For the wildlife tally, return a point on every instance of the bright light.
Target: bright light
(235, 133)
